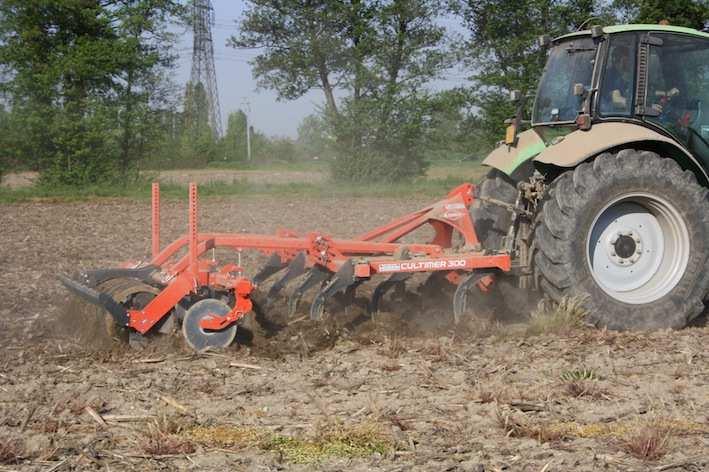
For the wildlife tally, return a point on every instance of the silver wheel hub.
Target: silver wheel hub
(638, 248)
(625, 247)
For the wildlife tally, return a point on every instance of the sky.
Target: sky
(236, 84)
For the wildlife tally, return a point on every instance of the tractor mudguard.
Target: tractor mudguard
(507, 159)
(572, 149)
(576, 147)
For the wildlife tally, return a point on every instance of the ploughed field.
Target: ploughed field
(404, 391)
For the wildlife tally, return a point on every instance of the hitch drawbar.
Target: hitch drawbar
(180, 278)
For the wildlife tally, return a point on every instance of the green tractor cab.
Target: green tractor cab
(614, 170)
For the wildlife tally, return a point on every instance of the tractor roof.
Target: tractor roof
(624, 28)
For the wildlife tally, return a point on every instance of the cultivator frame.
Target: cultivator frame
(182, 275)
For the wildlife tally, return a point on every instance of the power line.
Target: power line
(203, 70)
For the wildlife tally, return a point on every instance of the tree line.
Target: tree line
(86, 95)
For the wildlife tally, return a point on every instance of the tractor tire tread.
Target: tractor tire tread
(560, 259)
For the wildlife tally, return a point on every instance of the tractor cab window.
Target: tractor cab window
(569, 63)
(616, 98)
(678, 90)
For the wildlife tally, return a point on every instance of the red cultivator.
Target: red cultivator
(179, 284)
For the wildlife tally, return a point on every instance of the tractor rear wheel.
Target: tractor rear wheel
(628, 234)
(492, 222)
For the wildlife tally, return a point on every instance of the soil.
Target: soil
(484, 396)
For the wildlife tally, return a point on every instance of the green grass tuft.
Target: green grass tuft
(336, 441)
(579, 374)
(557, 318)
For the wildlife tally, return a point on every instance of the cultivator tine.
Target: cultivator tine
(342, 280)
(103, 300)
(295, 269)
(460, 298)
(273, 265)
(316, 276)
(395, 279)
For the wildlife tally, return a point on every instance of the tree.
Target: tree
(143, 53)
(314, 137)
(503, 53)
(84, 82)
(234, 141)
(198, 145)
(4, 128)
(379, 54)
(689, 13)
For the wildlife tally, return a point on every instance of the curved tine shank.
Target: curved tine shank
(316, 276)
(343, 279)
(460, 298)
(274, 264)
(383, 288)
(295, 269)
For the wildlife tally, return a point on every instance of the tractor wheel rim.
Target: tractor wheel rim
(638, 248)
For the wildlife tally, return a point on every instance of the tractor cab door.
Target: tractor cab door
(677, 97)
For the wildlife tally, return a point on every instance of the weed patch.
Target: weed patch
(11, 450)
(334, 441)
(557, 318)
(633, 436)
(164, 437)
(648, 443)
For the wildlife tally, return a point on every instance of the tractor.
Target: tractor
(604, 197)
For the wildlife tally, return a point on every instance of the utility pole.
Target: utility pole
(247, 106)
(203, 70)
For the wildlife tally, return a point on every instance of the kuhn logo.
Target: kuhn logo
(453, 215)
(454, 206)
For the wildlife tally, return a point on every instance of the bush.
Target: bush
(375, 144)
(372, 165)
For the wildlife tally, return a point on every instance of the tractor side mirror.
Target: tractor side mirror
(515, 96)
(596, 31)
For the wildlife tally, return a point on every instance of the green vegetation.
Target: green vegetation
(563, 317)
(332, 441)
(85, 85)
(381, 54)
(86, 97)
(141, 190)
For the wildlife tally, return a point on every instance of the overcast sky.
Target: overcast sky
(236, 84)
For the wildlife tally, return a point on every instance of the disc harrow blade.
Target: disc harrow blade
(295, 269)
(316, 276)
(342, 280)
(104, 300)
(274, 264)
(394, 280)
(462, 292)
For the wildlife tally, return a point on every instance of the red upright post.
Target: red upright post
(192, 230)
(156, 220)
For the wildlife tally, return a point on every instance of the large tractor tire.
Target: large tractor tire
(492, 222)
(628, 234)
